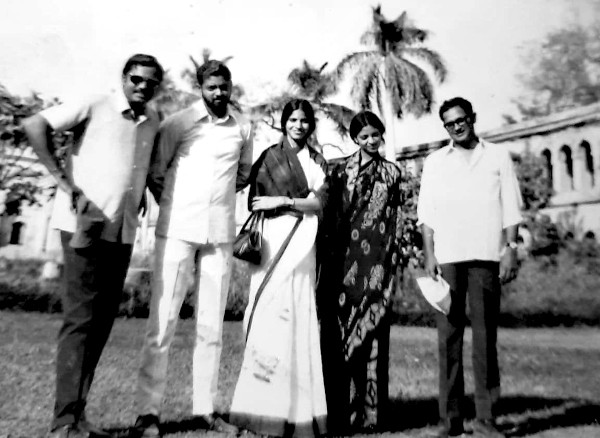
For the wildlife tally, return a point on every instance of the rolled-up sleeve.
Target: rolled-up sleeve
(245, 163)
(426, 204)
(67, 115)
(510, 193)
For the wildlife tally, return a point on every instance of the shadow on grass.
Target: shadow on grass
(518, 415)
(189, 424)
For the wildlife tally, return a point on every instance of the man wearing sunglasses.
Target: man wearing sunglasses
(100, 192)
(469, 211)
(203, 156)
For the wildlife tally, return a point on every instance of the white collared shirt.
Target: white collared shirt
(199, 165)
(109, 161)
(468, 199)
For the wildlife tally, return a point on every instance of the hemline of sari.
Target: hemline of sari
(279, 427)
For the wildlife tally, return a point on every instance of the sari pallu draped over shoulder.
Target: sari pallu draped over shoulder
(280, 389)
(278, 172)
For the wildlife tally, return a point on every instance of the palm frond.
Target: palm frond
(196, 64)
(378, 96)
(353, 61)
(400, 58)
(311, 83)
(272, 105)
(365, 84)
(340, 115)
(398, 83)
(417, 88)
(433, 59)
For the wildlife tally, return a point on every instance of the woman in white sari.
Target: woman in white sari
(280, 391)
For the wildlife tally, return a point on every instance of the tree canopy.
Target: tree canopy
(19, 177)
(561, 71)
(534, 181)
(313, 84)
(392, 64)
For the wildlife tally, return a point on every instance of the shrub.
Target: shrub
(553, 288)
(408, 305)
(562, 291)
(137, 291)
(22, 289)
(545, 237)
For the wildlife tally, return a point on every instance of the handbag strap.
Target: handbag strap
(270, 270)
(249, 221)
(261, 218)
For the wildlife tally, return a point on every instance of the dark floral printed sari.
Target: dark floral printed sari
(359, 258)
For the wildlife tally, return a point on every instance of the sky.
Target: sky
(65, 48)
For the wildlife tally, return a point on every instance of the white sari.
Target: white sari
(280, 390)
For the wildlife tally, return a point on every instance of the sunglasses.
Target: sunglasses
(137, 80)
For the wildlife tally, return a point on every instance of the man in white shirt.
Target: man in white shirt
(203, 156)
(100, 191)
(469, 211)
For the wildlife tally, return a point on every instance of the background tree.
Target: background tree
(171, 98)
(19, 175)
(534, 181)
(389, 72)
(536, 190)
(562, 71)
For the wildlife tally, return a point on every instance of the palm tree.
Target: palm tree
(389, 74)
(310, 83)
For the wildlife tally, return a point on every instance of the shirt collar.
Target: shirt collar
(202, 113)
(122, 105)
(452, 147)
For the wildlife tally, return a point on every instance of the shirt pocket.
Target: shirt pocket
(487, 184)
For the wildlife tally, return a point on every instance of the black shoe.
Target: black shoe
(67, 431)
(486, 429)
(216, 424)
(146, 426)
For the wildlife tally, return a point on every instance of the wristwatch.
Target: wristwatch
(512, 245)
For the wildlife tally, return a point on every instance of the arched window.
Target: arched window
(547, 156)
(588, 177)
(566, 171)
(15, 233)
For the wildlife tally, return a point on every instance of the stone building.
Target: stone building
(569, 142)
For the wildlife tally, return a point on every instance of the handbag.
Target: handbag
(248, 243)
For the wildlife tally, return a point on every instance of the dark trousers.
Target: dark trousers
(478, 282)
(93, 284)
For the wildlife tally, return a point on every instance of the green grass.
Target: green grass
(551, 379)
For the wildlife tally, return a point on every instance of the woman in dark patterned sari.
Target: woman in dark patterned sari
(359, 257)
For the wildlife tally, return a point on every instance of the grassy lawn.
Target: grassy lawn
(551, 379)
